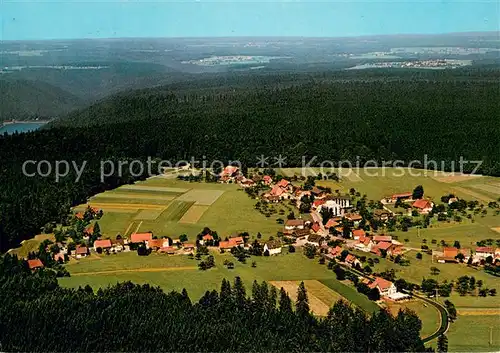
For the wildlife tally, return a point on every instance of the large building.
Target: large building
(339, 205)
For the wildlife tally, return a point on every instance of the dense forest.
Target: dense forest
(38, 315)
(330, 115)
(24, 99)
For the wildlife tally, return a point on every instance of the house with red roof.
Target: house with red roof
(103, 244)
(352, 260)
(207, 237)
(81, 251)
(336, 251)
(358, 233)
(283, 183)
(375, 250)
(317, 203)
(401, 196)
(141, 237)
(316, 227)
(226, 245)
(167, 250)
(423, 206)
(156, 244)
(384, 245)
(364, 244)
(386, 288)
(89, 230)
(267, 179)
(230, 171)
(379, 238)
(79, 215)
(331, 223)
(484, 251)
(35, 263)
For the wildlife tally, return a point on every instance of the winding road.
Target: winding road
(444, 322)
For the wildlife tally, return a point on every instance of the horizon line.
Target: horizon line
(269, 36)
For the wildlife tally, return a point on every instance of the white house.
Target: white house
(364, 244)
(385, 287)
(273, 247)
(292, 224)
(484, 252)
(339, 205)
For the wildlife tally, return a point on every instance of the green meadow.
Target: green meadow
(176, 272)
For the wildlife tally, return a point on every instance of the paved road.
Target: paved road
(444, 324)
(317, 218)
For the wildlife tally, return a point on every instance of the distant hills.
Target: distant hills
(25, 99)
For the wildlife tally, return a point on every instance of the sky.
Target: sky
(40, 19)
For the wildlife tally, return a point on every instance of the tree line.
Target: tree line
(129, 317)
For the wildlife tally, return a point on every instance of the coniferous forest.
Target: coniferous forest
(38, 315)
(333, 116)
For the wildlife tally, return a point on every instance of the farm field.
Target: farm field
(471, 333)
(170, 207)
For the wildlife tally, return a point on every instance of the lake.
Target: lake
(20, 127)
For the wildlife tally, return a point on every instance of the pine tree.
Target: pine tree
(418, 192)
(239, 293)
(225, 291)
(442, 344)
(302, 304)
(258, 300)
(273, 295)
(285, 303)
(185, 296)
(97, 230)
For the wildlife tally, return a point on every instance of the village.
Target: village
(336, 228)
